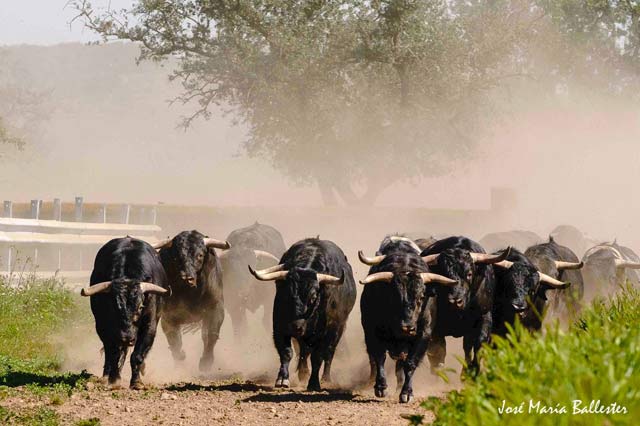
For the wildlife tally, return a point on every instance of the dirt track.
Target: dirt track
(224, 403)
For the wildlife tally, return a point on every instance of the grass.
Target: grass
(32, 313)
(597, 359)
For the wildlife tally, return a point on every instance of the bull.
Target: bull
(315, 292)
(257, 245)
(560, 263)
(521, 292)
(607, 267)
(397, 306)
(465, 308)
(195, 278)
(125, 288)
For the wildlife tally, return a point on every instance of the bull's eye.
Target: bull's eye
(200, 256)
(469, 276)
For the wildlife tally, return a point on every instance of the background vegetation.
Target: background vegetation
(354, 95)
(33, 316)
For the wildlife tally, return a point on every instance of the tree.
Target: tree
(349, 95)
(21, 106)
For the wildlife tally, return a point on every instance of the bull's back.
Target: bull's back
(127, 258)
(260, 237)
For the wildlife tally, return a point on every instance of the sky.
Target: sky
(45, 22)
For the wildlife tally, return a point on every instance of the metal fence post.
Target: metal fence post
(35, 209)
(103, 214)
(8, 209)
(57, 209)
(126, 212)
(79, 202)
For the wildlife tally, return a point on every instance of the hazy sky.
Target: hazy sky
(45, 21)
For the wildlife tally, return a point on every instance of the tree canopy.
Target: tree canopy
(354, 95)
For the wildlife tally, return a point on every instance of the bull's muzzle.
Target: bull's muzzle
(408, 330)
(298, 328)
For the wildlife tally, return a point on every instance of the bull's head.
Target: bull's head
(461, 265)
(234, 266)
(187, 253)
(127, 300)
(606, 270)
(299, 290)
(409, 291)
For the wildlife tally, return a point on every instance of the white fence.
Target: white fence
(65, 248)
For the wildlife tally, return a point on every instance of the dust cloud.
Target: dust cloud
(111, 137)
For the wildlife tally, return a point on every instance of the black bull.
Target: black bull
(464, 309)
(194, 275)
(125, 283)
(315, 292)
(396, 313)
(257, 245)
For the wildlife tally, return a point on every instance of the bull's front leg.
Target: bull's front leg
(437, 352)
(283, 346)
(171, 328)
(316, 363)
(303, 366)
(472, 343)
(144, 342)
(211, 324)
(380, 387)
(238, 316)
(415, 355)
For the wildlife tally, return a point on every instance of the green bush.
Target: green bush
(31, 314)
(597, 359)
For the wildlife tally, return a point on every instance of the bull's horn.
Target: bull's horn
(370, 260)
(102, 287)
(330, 279)
(561, 266)
(430, 259)
(212, 242)
(544, 278)
(269, 274)
(265, 255)
(428, 277)
(152, 288)
(163, 244)
(378, 276)
(627, 264)
(405, 239)
(506, 264)
(488, 259)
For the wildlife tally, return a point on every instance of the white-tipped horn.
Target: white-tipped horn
(544, 278)
(488, 259)
(431, 259)
(212, 242)
(98, 288)
(506, 264)
(627, 264)
(330, 279)
(163, 244)
(378, 276)
(371, 261)
(407, 240)
(429, 278)
(269, 274)
(561, 266)
(261, 254)
(152, 288)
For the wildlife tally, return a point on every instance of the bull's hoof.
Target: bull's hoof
(115, 385)
(406, 398)
(179, 355)
(205, 365)
(380, 393)
(314, 387)
(436, 369)
(137, 385)
(282, 383)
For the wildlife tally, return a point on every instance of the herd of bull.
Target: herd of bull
(416, 293)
